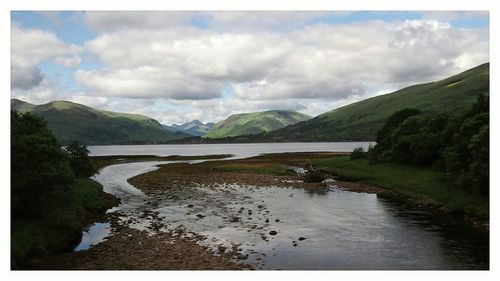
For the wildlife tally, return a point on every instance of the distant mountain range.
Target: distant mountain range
(359, 121)
(255, 123)
(194, 128)
(72, 121)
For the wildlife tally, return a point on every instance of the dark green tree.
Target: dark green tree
(79, 160)
(41, 176)
(383, 150)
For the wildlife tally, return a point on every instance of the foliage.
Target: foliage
(458, 144)
(48, 204)
(41, 176)
(79, 160)
(358, 153)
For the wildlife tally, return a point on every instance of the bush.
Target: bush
(358, 153)
(79, 160)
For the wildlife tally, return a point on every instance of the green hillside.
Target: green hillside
(255, 123)
(72, 121)
(361, 120)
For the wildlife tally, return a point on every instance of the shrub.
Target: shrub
(358, 153)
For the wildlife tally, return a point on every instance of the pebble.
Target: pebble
(190, 206)
(200, 216)
(273, 232)
(302, 238)
(277, 220)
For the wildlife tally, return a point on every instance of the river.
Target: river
(332, 229)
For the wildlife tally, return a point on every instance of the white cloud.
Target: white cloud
(30, 47)
(317, 61)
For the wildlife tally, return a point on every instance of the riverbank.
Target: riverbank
(134, 249)
(35, 238)
(416, 185)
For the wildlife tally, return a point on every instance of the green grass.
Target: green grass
(420, 183)
(39, 237)
(255, 123)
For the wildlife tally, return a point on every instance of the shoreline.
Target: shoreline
(264, 170)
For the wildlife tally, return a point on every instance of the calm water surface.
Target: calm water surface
(343, 230)
(239, 150)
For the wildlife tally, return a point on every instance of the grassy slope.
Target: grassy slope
(362, 120)
(71, 121)
(254, 123)
(419, 183)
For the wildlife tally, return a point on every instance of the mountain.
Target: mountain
(72, 121)
(361, 121)
(195, 127)
(255, 123)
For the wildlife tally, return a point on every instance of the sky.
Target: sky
(180, 66)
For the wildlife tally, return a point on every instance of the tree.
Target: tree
(382, 151)
(41, 176)
(79, 160)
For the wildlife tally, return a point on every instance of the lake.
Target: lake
(239, 150)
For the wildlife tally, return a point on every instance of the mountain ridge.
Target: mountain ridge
(73, 121)
(255, 123)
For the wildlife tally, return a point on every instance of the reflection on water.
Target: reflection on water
(286, 228)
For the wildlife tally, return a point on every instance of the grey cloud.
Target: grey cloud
(25, 77)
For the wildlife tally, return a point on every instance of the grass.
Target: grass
(39, 237)
(419, 183)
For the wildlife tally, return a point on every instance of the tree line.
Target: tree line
(457, 144)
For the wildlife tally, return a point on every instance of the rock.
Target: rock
(302, 238)
(200, 216)
(242, 257)
(221, 249)
(313, 176)
(234, 219)
(260, 206)
(263, 237)
(273, 232)
(267, 220)
(190, 206)
(277, 220)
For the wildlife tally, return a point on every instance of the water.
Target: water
(239, 150)
(343, 230)
(94, 235)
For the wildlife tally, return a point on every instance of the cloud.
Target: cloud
(29, 48)
(316, 61)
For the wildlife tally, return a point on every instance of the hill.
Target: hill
(194, 128)
(255, 123)
(72, 121)
(361, 121)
